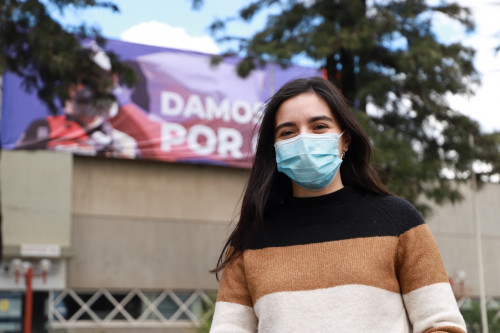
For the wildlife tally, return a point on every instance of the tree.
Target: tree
(49, 57)
(384, 56)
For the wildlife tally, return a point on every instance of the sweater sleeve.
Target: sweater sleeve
(427, 294)
(234, 307)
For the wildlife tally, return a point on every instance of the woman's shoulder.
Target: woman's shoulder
(397, 204)
(398, 211)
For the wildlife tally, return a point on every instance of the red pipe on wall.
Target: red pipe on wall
(28, 302)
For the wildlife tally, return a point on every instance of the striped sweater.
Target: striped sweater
(348, 261)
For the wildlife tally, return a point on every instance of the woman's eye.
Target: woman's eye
(320, 126)
(286, 133)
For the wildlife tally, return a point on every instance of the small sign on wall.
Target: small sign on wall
(41, 250)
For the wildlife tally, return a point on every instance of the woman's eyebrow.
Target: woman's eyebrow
(313, 119)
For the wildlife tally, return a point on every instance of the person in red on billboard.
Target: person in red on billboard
(84, 127)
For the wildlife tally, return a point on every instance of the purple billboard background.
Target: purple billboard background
(182, 110)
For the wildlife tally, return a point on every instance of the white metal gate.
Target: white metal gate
(133, 308)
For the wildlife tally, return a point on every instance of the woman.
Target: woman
(321, 245)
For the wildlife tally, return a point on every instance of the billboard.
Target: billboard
(182, 109)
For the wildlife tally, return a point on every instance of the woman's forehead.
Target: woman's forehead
(303, 107)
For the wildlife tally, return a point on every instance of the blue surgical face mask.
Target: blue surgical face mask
(309, 160)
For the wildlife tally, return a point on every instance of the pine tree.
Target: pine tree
(383, 55)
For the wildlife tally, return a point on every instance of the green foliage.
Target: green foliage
(472, 317)
(206, 319)
(48, 56)
(206, 324)
(384, 55)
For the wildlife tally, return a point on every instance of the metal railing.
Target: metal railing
(133, 308)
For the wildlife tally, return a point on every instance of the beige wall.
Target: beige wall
(454, 228)
(150, 225)
(36, 199)
(124, 253)
(155, 190)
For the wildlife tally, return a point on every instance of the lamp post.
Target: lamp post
(25, 269)
(479, 249)
(477, 227)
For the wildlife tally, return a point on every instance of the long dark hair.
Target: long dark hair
(267, 188)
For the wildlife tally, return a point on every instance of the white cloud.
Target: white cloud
(161, 34)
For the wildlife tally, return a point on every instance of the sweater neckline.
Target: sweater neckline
(337, 198)
(319, 209)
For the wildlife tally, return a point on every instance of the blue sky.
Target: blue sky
(173, 23)
(176, 13)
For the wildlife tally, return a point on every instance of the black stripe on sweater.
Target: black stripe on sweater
(344, 214)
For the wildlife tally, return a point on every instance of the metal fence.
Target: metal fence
(69, 309)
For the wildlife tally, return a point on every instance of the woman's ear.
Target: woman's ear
(346, 142)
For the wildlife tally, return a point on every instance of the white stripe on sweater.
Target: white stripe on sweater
(433, 306)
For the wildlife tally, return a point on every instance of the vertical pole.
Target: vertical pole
(479, 249)
(28, 302)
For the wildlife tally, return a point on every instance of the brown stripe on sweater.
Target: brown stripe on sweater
(368, 261)
(419, 260)
(447, 329)
(233, 284)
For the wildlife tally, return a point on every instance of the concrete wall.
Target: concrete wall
(150, 225)
(36, 199)
(453, 226)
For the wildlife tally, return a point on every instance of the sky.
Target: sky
(173, 23)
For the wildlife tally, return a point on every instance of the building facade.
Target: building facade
(137, 239)
(131, 242)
